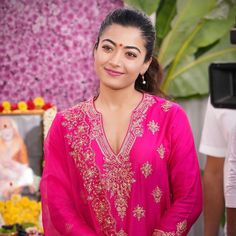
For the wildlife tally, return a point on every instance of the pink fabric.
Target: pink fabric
(152, 184)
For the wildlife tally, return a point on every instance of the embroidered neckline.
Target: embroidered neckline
(118, 175)
(109, 148)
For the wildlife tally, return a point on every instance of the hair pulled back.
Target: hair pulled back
(134, 18)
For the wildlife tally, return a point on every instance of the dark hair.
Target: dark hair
(137, 19)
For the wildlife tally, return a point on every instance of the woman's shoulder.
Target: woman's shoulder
(166, 105)
(75, 110)
(169, 111)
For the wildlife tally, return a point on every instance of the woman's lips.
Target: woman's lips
(113, 72)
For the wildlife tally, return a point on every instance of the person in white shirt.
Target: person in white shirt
(214, 143)
(230, 185)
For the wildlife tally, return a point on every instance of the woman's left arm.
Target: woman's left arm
(185, 180)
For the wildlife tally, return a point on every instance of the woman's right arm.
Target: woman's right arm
(59, 213)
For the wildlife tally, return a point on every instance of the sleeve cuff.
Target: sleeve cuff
(230, 201)
(212, 151)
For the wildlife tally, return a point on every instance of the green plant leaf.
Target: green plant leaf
(215, 29)
(191, 78)
(165, 14)
(148, 6)
(189, 15)
(195, 40)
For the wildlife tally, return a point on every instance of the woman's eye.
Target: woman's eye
(131, 54)
(107, 48)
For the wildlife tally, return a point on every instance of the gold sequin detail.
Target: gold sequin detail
(153, 126)
(68, 227)
(119, 180)
(139, 212)
(163, 233)
(118, 175)
(157, 194)
(181, 227)
(146, 169)
(122, 233)
(161, 151)
(166, 106)
(79, 141)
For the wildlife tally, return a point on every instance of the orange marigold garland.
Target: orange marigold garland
(37, 103)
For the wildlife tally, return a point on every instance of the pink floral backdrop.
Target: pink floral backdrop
(46, 49)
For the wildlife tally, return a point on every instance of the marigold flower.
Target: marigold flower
(22, 106)
(39, 102)
(47, 106)
(31, 105)
(20, 210)
(1, 108)
(14, 106)
(6, 105)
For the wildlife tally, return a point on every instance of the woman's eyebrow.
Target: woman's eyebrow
(128, 47)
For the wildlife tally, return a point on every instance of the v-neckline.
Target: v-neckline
(124, 140)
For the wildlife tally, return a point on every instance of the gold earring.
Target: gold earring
(143, 79)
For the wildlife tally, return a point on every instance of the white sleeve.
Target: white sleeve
(230, 172)
(212, 140)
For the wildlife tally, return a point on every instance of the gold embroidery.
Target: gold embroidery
(122, 233)
(118, 175)
(163, 233)
(181, 227)
(84, 157)
(161, 151)
(118, 180)
(79, 135)
(166, 106)
(153, 126)
(146, 169)
(139, 212)
(68, 227)
(157, 193)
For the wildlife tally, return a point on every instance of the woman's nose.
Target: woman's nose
(116, 59)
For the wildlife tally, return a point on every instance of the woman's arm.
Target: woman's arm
(60, 216)
(185, 181)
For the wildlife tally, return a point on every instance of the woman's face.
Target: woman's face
(119, 57)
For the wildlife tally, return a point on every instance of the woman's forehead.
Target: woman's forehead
(123, 35)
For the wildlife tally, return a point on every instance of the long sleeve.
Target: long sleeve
(184, 178)
(59, 212)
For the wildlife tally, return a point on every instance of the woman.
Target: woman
(123, 162)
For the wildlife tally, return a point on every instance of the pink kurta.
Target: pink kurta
(152, 184)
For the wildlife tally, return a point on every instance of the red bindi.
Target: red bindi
(120, 44)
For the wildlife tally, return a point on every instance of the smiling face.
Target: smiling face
(119, 57)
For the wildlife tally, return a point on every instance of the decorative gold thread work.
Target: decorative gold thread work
(146, 169)
(156, 193)
(139, 212)
(153, 126)
(166, 106)
(161, 151)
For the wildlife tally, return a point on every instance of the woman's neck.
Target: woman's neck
(117, 99)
